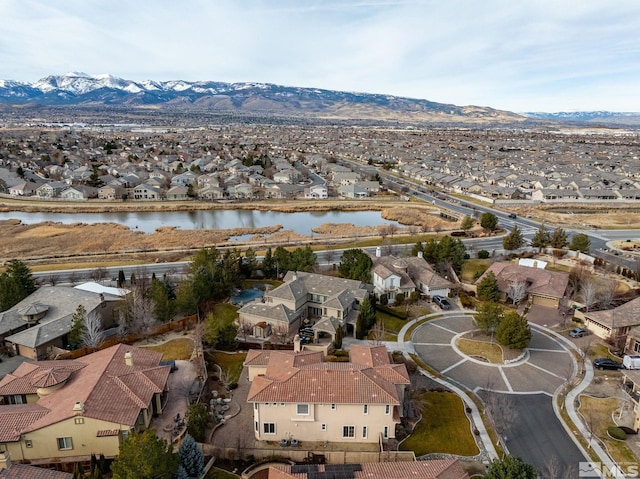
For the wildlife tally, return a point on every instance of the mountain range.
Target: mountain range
(82, 90)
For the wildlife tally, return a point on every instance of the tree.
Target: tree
(588, 291)
(541, 239)
(92, 334)
(16, 283)
(517, 290)
(489, 316)
(510, 467)
(487, 289)
(513, 331)
(197, 421)
(337, 340)
(489, 221)
(145, 456)
(580, 242)
(218, 333)
(163, 295)
(191, 458)
(268, 264)
(121, 279)
(467, 223)
(77, 327)
(366, 318)
(559, 239)
(513, 240)
(356, 264)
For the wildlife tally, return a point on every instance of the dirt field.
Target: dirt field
(584, 216)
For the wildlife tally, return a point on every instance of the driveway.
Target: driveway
(535, 433)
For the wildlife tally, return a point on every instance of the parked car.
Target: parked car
(606, 363)
(442, 302)
(578, 332)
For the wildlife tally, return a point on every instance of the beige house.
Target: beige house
(11, 470)
(631, 385)
(616, 322)
(542, 287)
(298, 397)
(303, 299)
(64, 411)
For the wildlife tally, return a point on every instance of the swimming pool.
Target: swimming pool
(247, 295)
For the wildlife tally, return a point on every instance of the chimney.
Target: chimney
(78, 408)
(420, 254)
(296, 343)
(5, 460)
(378, 251)
(128, 358)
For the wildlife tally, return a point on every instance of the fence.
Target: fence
(301, 455)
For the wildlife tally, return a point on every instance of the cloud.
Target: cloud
(514, 55)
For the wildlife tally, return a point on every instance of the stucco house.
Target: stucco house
(301, 397)
(542, 287)
(303, 299)
(43, 320)
(391, 275)
(64, 411)
(610, 323)
(146, 192)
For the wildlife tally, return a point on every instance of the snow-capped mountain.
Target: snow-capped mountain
(605, 117)
(78, 88)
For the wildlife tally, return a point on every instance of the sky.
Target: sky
(517, 55)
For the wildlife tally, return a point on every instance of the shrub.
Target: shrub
(398, 313)
(465, 300)
(458, 233)
(628, 430)
(483, 254)
(616, 433)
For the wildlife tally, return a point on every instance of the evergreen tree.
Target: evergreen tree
(513, 331)
(489, 221)
(489, 316)
(580, 242)
(559, 239)
(77, 327)
(191, 458)
(487, 289)
(366, 318)
(337, 340)
(356, 264)
(513, 240)
(145, 456)
(163, 295)
(16, 283)
(510, 467)
(269, 264)
(467, 223)
(541, 239)
(121, 279)
(197, 421)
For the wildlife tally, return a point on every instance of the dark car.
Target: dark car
(442, 302)
(606, 363)
(512, 215)
(578, 332)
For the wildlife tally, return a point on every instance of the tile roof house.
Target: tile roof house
(298, 396)
(43, 319)
(615, 322)
(543, 287)
(64, 411)
(304, 298)
(9, 470)
(429, 469)
(391, 275)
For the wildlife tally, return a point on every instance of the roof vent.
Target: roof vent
(78, 408)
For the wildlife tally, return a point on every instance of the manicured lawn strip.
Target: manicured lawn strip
(491, 352)
(473, 266)
(180, 348)
(229, 362)
(250, 283)
(444, 427)
(598, 412)
(390, 323)
(602, 351)
(225, 312)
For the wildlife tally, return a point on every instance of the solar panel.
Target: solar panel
(303, 468)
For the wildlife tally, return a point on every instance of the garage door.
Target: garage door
(542, 301)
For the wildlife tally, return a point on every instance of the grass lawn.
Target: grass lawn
(491, 352)
(444, 427)
(215, 473)
(472, 267)
(225, 312)
(601, 351)
(597, 413)
(250, 283)
(229, 361)
(390, 323)
(180, 348)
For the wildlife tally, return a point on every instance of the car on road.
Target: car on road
(606, 363)
(442, 302)
(512, 215)
(578, 332)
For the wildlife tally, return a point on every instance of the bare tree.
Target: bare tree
(393, 229)
(425, 228)
(280, 331)
(73, 277)
(588, 292)
(92, 334)
(53, 279)
(608, 293)
(98, 274)
(517, 290)
(387, 247)
(502, 411)
(330, 256)
(377, 334)
(244, 328)
(139, 310)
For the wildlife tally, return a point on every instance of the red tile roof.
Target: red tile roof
(23, 471)
(16, 418)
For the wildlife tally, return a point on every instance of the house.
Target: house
(64, 411)
(611, 323)
(146, 192)
(391, 275)
(631, 385)
(51, 190)
(316, 192)
(352, 191)
(74, 194)
(177, 193)
(429, 469)
(9, 470)
(42, 320)
(542, 287)
(108, 193)
(304, 299)
(22, 189)
(301, 397)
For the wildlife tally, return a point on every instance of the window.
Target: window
(387, 409)
(385, 432)
(636, 347)
(269, 428)
(364, 432)
(333, 407)
(255, 406)
(78, 420)
(302, 409)
(348, 431)
(365, 409)
(323, 427)
(64, 443)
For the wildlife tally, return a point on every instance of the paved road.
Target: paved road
(535, 434)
